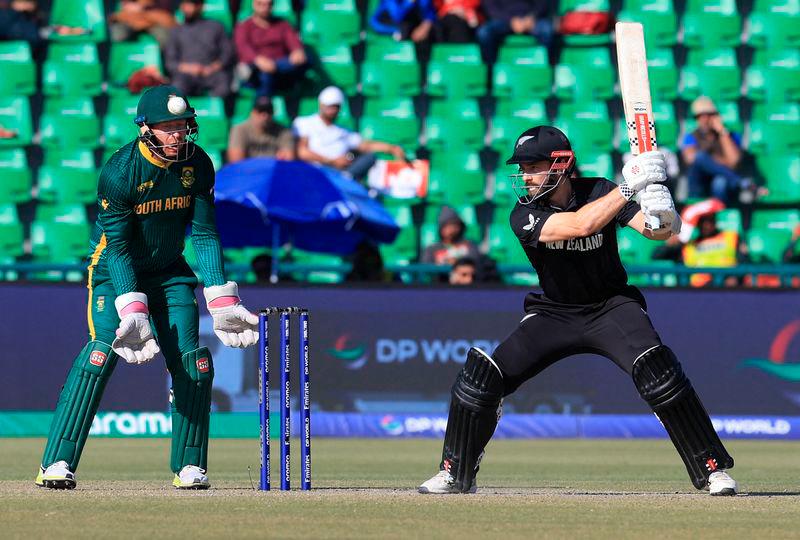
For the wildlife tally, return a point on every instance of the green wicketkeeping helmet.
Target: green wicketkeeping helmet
(162, 104)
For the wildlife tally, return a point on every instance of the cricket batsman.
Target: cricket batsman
(567, 227)
(141, 290)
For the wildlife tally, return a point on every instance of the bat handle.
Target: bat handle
(653, 223)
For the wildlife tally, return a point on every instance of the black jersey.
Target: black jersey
(580, 270)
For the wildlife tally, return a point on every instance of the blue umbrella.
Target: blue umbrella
(264, 201)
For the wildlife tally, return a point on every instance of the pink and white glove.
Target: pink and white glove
(135, 341)
(234, 325)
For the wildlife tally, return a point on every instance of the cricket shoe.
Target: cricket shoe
(191, 477)
(442, 483)
(56, 476)
(721, 483)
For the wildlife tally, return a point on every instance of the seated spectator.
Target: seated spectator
(260, 136)
(21, 20)
(199, 56)
(452, 245)
(320, 140)
(367, 264)
(456, 20)
(508, 17)
(406, 19)
(463, 272)
(711, 153)
(136, 17)
(271, 55)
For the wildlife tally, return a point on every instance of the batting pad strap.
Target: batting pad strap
(660, 380)
(191, 409)
(77, 404)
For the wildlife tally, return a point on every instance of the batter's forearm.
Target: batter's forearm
(596, 215)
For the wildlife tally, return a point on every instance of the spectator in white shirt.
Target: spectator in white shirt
(320, 140)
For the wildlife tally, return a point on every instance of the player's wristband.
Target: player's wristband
(626, 191)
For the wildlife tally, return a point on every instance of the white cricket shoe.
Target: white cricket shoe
(191, 477)
(721, 483)
(56, 476)
(442, 483)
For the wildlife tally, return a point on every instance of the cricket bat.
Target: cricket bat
(635, 87)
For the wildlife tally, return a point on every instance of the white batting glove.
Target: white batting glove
(656, 201)
(135, 341)
(234, 325)
(641, 171)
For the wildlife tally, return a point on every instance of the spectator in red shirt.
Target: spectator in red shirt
(271, 55)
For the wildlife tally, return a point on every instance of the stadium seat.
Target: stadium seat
(667, 128)
(596, 164)
(522, 72)
(213, 132)
(773, 130)
(88, 14)
(67, 185)
(216, 10)
(582, 40)
(280, 8)
(454, 124)
(15, 114)
(401, 131)
(336, 67)
(588, 127)
(730, 219)
(774, 75)
(532, 110)
(458, 179)
(585, 74)
(72, 69)
(15, 186)
(658, 18)
(128, 57)
(663, 74)
(782, 173)
(68, 123)
(767, 245)
(633, 247)
(59, 234)
(331, 21)
(776, 219)
(714, 73)
(75, 158)
(12, 235)
(333, 275)
(456, 70)
(390, 69)
(505, 130)
(18, 68)
(503, 192)
(711, 24)
(405, 247)
(775, 26)
(244, 104)
(504, 246)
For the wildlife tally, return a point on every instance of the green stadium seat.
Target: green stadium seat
(78, 158)
(633, 247)
(776, 219)
(67, 184)
(505, 130)
(774, 76)
(244, 104)
(667, 128)
(774, 24)
(663, 74)
(782, 173)
(594, 164)
(336, 67)
(390, 107)
(405, 247)
(213, 133)
(456, 70)
(88, 14)
(390, 68)
(714, 73)
(216, 10)
(454, 124)
(401, 131)
(658, 18)
(331, 21)
(585, 5)
(59, 234)
(773, 130)
(711, 24)
(280, 8)
(18, 68)
(16, 184)
(585, 74)
(118, 130)
(503, 193)
(588, 127)
(522, 72)
(15, 114)
(730, 219)
(334, 275)
(69, 122)
(767, 245)
(127, 57)
(504, 247)
(459, 179)
(532, 110)
(12, 235)
(72, 69)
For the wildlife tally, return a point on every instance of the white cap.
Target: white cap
(331, 96)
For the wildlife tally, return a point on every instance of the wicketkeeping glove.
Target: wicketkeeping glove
(135, 341)
(641, 171)
(234, 325)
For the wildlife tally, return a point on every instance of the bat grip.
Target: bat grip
(653, 223)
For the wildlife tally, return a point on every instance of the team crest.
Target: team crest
(146, 185)
(203, 365)
(104, 204)
(97, 358)
(187, 177)
(101, 303)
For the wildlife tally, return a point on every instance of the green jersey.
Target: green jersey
(144, 209)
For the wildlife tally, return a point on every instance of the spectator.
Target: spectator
(271, 55)
(406, 19)
(260, 136)
(199, 55)
(712, 153)
(456, 20)
(508, 17)
(367, 264)
(21, 20)
(321, 141)
(463, 272)
(136, 17)
(452, 245)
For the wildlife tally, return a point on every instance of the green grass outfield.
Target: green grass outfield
(365, 488)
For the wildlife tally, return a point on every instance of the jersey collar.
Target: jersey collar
(148, 155)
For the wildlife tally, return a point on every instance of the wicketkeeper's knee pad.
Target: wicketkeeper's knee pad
(660, 380)
(191, 408)
(475, 407)
(77, 404)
